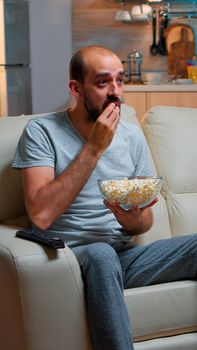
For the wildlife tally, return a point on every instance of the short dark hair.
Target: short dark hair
(77, 68)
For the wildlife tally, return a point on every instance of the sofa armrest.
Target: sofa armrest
(41, 296)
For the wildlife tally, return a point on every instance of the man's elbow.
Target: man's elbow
(40, 220)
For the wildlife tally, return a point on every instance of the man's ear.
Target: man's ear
(74, 88)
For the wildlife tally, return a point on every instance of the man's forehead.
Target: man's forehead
(99, 61)
(105, 66)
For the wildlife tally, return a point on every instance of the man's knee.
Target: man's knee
(100, 252)
(99, 256)
(100, 265)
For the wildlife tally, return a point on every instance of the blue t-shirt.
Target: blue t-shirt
(53, 141)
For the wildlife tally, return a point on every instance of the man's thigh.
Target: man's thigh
(162, 261)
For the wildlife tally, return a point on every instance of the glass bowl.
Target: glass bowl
(131, 191)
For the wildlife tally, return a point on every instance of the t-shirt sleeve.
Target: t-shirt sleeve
(35, 147)
(143, 163)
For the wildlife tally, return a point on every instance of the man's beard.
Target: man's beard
(95, 112)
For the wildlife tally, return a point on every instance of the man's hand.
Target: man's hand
(134, 221)
(104, 129)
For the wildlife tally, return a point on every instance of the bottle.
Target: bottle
(191, 66)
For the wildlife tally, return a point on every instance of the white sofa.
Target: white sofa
(41, 290)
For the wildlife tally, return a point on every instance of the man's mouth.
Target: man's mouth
(111, 99)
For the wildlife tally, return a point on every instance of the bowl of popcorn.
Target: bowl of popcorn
(131, 191)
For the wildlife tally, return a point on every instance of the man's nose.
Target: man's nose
(113, 89)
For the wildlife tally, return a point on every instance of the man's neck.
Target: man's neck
(80, 121)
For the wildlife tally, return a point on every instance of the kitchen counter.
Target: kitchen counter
(160, 87)
(143, 97)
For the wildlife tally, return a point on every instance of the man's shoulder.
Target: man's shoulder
(48, 118)
(47, 124)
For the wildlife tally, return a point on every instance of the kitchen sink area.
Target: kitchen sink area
(160, 81)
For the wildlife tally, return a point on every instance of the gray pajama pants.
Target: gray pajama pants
(107, 273)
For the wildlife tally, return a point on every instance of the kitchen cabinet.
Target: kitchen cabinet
(180, 99)
(168, 95)
(138, 101)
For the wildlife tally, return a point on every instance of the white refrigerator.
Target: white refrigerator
(15, 71)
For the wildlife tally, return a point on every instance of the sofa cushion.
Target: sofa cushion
(168, 129)
(161, 225)
(178, 342)
(163, 309)
(11, 199)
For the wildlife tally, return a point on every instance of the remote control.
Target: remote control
(44, 238)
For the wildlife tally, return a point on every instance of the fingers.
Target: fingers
(110, 114)
(153, 203)
(135, 207)
(112, 119)
(115, 207)
(115, 117)
(107, 111)
(108, 205)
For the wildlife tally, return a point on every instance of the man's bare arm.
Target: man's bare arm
(48, 197)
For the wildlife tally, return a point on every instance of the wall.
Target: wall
(50, 38)
(93, 23)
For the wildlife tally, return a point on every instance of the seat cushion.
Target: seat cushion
(177, 342)
(163, 309)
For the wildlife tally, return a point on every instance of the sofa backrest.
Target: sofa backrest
(12, 207)
(171, 133)
(161, 224)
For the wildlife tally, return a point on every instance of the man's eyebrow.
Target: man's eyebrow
(121, 73)
(106, 74)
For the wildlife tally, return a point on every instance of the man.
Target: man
(62, 156)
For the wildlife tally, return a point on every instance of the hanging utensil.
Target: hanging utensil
(154, 47)
(163, 22)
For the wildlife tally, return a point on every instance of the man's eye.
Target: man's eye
(120, 81)
(102, 82)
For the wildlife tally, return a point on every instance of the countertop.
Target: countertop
(160, 87)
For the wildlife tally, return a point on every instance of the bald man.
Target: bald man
(62, 156)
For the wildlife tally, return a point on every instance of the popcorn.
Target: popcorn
(134, 191)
